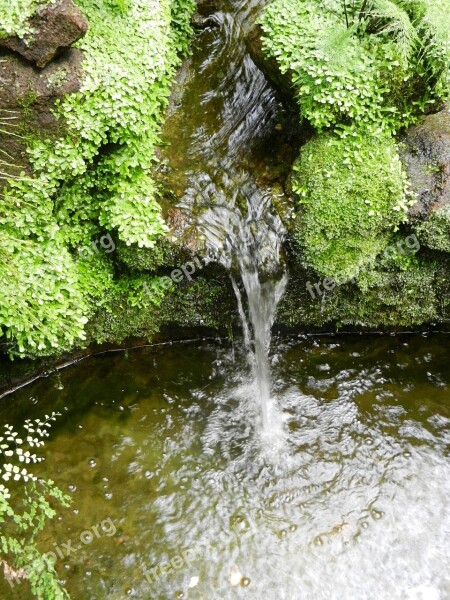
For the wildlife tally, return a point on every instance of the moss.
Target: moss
(203, 302)
(384, 297)
(351, 196)
(394, 298)
(434, 232)
(164, 254)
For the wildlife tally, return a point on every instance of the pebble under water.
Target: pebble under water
(177, 495)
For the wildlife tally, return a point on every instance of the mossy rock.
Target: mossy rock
(164, 254)
(205, 302)
(434, 232)
(350, 198)
(386, 297)
(425, 151)
(426, 154)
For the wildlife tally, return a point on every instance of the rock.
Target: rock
(27, 97)
(269, 66)
(425, 151)
(55, 27)
(199, 21)
(207, 7)
(426, 155)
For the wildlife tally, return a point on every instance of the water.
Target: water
(164, 443)
(225, 108)
(254, 242)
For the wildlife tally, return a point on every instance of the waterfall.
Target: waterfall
(251, 244)
(227, 106)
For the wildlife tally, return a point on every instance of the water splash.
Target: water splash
(250, 241)
(227, 107)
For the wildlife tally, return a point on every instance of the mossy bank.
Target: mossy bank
(369, 244)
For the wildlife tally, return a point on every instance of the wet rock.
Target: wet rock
(207, 7)
(425, 152)
(27, 98)
(185, 232)
(55, 27)
(426, 155)
(269, 66)
(203, 22)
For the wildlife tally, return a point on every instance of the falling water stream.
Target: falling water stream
(216, 129)
(254, 242)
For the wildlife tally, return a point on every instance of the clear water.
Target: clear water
(351, 503)
(225, 107)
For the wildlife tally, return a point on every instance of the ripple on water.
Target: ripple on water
(348, 499)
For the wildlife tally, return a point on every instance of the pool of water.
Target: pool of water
(176, 494)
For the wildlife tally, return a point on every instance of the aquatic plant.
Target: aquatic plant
(25, 508)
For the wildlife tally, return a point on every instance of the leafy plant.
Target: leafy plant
(362, 71)
(95, 178)
(25, 509)
(344, 58)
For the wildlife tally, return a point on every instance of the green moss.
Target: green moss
(203, 302)
(350, 198)
(361, 72)
(163, 254)
(434, 232)
(387, 296)
(395, 298)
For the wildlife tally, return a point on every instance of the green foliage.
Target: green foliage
(181, 22)
(352, 195)
(25, 509)
(343, 58)
(163, 254)
(335, 77)
(42, 308)
(93, 179)
(14, 15)
(434, 232)
(361, 71)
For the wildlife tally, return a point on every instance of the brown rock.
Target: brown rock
(55, 27)
(425, 151)
(27, 100)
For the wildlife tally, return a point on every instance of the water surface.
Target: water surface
(349, 500)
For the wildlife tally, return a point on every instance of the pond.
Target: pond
(176, 494)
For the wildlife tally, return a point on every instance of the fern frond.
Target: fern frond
(388, 18)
